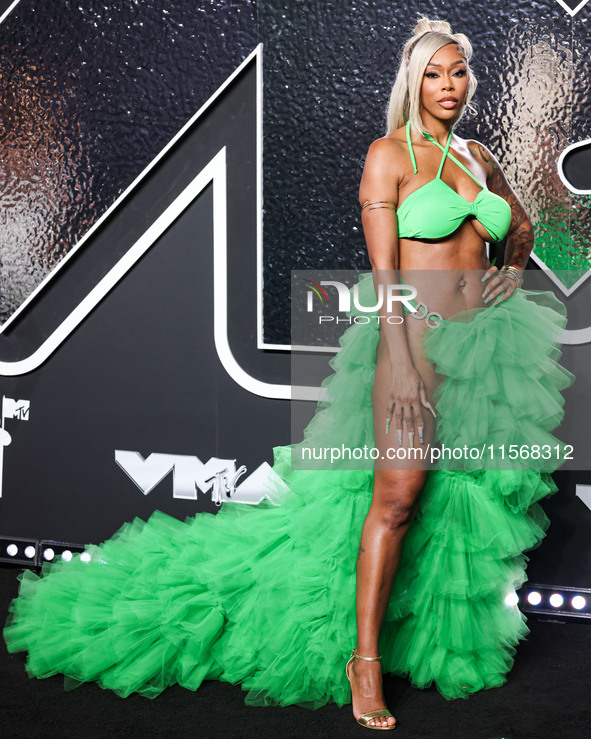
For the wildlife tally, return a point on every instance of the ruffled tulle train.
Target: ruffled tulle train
(265, 595)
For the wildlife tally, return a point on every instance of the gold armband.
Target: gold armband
(378, 204)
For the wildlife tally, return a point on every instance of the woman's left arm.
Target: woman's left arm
(520, 237)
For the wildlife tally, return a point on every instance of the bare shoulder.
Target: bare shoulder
(385, 166)
(388, 149)
(381, 172)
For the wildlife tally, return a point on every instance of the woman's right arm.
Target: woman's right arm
(379, 189)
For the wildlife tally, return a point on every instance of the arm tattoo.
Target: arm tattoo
(520, 238)
(520, 242)
(361, 550)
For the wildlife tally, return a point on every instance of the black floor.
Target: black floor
(548, 695)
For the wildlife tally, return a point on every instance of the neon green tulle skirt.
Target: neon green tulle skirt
(265, 595)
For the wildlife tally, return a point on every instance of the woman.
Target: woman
(265, 595)
(433, 88)
(422, 212)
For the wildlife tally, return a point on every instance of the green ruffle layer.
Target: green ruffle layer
(265, 595)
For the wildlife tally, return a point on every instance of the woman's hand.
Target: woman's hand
(403, 412)
(498, 283)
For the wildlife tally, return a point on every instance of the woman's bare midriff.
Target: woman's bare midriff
(446, 273)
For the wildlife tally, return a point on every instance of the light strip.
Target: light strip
(8, 10)
(572, 11)
(214, 171)
(115, 274)
(220, 314)
(560, 168)
(566, 609)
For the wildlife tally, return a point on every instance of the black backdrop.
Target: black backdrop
(142, 371)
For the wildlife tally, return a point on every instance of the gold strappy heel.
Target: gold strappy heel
(365, 718)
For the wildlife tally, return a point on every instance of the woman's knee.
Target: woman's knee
(396, 497)
(397, 514)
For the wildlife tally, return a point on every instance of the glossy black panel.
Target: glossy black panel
(89, 94)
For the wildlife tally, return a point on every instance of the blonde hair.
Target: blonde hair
(429, 36)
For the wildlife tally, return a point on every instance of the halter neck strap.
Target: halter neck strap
(410, 149)
(456, 161)
(445, 151)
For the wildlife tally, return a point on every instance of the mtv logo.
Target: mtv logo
(18, 409)
(219, 477)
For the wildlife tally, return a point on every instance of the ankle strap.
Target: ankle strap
(355, 655)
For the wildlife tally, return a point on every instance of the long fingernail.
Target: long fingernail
(431, 409)
(399, 437)
(421, 439)
(488, 299)
(484, 277)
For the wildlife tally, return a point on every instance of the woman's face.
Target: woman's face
(445, 84)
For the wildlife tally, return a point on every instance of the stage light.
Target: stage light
(556, 601)
(62, 550)
(14, 550)
(85, 557)
(512, 600)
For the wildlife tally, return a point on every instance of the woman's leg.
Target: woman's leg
(394, 504)
(396, 493)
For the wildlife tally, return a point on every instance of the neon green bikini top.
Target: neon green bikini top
(435, 210)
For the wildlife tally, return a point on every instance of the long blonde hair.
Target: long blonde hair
(429, 36)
